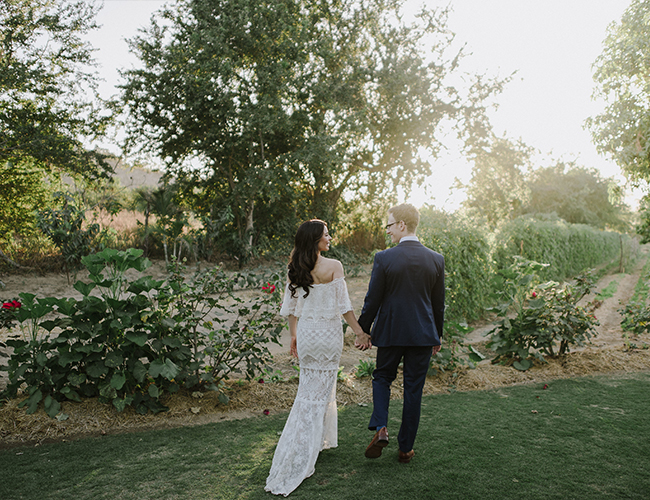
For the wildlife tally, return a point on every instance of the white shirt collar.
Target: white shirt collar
(409, 238)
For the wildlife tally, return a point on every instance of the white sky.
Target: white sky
(551, 44)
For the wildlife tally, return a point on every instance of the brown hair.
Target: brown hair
(407, 213)
(304, 255)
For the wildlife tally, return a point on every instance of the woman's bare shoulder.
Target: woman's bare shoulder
(328, 270)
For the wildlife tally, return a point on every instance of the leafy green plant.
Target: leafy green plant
(636, 313)
(636, 318)
(364, 368)
(64, 227)
(454, 352)
(537, 319)
(131, 342)
(271, 376)
(225, 332)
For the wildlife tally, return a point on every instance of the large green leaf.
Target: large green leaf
(138, 338)
(144, 284)
(65, 358)
(97, 370)
(139, 371)
(118, 380)
(523, 365)
(84, 288)
(113, 359)
(153, 390)
(166, 369)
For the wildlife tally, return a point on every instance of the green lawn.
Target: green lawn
(584, 438)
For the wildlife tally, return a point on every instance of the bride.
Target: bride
(315, 298)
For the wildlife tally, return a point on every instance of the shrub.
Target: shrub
(468, 266)
(64, 227)
(364, 368)
(455, 353)
(135, 340)
(569, 249)
(538, 318)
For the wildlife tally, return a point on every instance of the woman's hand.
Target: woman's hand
(362, 341)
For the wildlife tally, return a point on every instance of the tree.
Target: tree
(45, 77)
(622, 76)
(46, 106)
(273, 110)
(576, 194)
(497, 189)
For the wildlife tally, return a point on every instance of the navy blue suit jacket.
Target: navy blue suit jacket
(406, 297)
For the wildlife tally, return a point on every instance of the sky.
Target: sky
(549, 45)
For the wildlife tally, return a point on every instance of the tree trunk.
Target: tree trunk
(11, 262)
(248, 233)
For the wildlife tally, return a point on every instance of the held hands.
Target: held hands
(362, 341)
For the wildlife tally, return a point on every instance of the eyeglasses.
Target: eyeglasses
(396, 222)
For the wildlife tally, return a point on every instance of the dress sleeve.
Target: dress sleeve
(342, 297)
(289, 303)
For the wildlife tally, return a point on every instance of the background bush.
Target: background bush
(468, 265)
(568, 248)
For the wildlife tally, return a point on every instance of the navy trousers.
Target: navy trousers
(416, 366)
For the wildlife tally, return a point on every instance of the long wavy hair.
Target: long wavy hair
(304, 255)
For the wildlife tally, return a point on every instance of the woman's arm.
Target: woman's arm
(362, 340)
(293, 326)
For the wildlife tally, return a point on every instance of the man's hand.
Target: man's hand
(436, 349)
(362, 341)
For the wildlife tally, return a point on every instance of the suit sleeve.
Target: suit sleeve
(374, 296)
(438, 297)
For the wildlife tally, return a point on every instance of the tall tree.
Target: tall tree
(276, 109)
(497, 189)
(47, 106)
(622, 76)
(577, 195)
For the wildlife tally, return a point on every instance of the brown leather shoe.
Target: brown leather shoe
(378, 443)
(405, 458)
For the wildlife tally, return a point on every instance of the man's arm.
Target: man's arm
(374, 295)
(438, 297)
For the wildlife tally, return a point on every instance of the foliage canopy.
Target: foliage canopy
(48, 106)
(273, 110)
(622, 76)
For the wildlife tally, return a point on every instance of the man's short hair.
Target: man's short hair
(407, 213)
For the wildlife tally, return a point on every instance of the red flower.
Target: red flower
(545, 386)
(14, 304)
(268, 288)
(266, 412)
(534, 294)
(261, 381)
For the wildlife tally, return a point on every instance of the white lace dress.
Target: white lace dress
(312, 423)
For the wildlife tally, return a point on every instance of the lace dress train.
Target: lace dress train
(312, 422)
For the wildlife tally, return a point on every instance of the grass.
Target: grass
(608, 292)
(583, 438)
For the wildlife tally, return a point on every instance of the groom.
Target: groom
(406, 302)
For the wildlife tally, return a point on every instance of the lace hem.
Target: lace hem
(311, 427)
